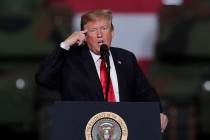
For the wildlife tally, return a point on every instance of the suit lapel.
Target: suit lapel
(120, 66)
(89, 65)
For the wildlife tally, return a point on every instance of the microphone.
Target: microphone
(104, 51)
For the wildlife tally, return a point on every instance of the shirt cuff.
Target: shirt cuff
(64, 46)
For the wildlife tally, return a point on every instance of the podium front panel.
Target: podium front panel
(70, 119)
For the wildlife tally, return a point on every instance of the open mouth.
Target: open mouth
(100, 42)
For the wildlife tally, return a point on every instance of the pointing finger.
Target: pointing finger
(84, 31)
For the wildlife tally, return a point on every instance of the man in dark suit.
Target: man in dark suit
(75, 68)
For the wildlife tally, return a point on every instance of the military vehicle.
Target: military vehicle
(181, 70)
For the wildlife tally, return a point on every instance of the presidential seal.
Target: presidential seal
(106, 126)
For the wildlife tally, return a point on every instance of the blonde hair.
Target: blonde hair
(95, 15)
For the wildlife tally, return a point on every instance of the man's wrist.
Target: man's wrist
(64, 46)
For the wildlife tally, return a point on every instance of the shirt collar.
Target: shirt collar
(95, 56)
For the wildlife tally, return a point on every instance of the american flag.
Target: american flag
(135, 21)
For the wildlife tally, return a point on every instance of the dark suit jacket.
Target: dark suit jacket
(74, 74)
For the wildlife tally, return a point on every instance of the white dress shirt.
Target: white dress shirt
(113, 73)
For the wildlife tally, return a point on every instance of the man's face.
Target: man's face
(98, 32)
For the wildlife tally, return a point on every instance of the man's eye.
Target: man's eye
(93, 30)
(104, 28)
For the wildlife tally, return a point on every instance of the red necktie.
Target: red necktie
(103, 79)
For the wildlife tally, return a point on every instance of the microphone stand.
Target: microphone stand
(108, 77)
(104, 51)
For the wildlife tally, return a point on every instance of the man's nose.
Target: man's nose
(99, 33)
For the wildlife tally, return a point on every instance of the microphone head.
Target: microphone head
(104, 51)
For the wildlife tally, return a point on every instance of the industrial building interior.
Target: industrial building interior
(180, 72)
